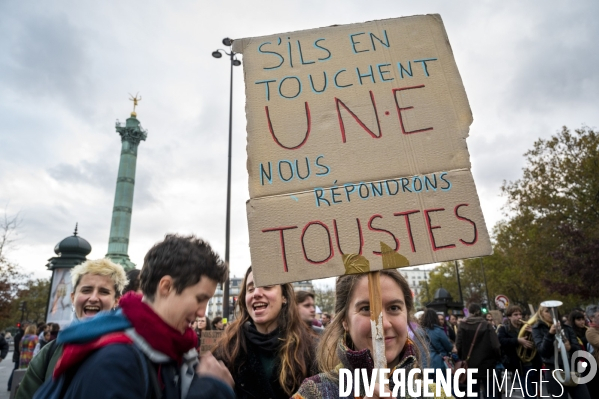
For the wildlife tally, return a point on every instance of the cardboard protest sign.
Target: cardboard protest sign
(357, 139)
(209, 339)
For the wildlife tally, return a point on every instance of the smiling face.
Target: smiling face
(263, 304)
(93, 294)
(395, 318)
(181, 310)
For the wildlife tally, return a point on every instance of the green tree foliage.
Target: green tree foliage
(548, 245)
(545, 247)
(35, 293)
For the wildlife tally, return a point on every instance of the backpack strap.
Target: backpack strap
(473, 341)
(150, 375)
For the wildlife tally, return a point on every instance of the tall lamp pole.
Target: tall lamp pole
(482, 266)
(457, 272)
(234, 62)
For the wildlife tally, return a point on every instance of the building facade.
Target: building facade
(414, 276)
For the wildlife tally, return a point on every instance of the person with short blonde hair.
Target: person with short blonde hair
(147, 348)
(101, 267)
(97, 287)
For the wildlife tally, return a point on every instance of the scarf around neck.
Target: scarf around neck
(159, 335)
(268, 342)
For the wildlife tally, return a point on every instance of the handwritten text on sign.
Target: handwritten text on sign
(357, 135)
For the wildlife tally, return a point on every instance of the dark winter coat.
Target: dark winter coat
(544, 342)
(16, 355)
(3, 347)
(251, 381)
(448, 331)
(486, 352)
(115, 371)
(128, 370)
(508, 338)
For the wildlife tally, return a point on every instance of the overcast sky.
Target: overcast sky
(66, 69)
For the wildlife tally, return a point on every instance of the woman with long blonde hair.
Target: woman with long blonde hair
(268, 349)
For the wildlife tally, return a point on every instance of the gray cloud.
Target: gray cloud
(45, 56)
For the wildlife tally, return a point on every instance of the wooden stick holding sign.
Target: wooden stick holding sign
(358, 264)
(376, 320)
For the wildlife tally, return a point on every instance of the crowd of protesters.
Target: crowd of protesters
(138, 335)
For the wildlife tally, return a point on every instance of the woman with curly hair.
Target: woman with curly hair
(347, 341)
(268, 349)
(439, 345)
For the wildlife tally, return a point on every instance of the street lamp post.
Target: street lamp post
(482, 266)
(457, 272)
(234, 62)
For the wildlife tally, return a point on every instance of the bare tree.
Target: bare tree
(10, 277)
(9, 225)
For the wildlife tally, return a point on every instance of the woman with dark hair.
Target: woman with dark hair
(347, 341)
(438, 343)
(133, 284)
(268, 349)
(217, 323)
(578, 323)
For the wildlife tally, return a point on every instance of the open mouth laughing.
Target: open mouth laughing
(91, 310)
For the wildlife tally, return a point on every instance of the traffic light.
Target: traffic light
(484, 308)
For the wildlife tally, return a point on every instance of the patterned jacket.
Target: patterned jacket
(326, 385)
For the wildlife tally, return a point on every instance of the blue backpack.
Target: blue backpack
(56, 389)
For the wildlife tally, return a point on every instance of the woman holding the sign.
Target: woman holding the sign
(268, 349)
(347, 341)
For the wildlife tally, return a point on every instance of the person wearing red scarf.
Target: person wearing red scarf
(147, 348)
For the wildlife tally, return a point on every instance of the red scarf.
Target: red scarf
(159, 335)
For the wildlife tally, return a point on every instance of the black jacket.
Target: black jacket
(508, 339)
(16, 354)
(3, 347)
(448, 330)
(544, 342)
(486, 352)
(251, 381)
